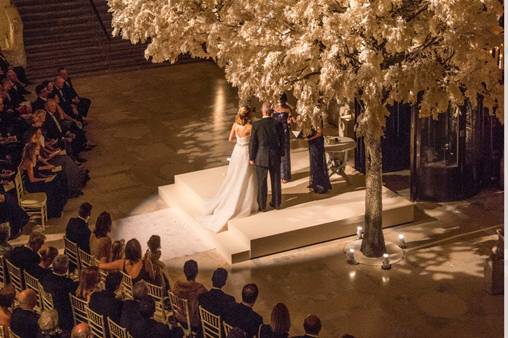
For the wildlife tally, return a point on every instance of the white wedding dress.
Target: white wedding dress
(237, 195)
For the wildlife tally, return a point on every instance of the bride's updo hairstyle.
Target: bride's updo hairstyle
(243, 116)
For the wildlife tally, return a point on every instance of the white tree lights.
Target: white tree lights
(432, 53)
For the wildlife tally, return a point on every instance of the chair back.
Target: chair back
(78, 307)
(3, 331)
(127, 286)
(71, 251)
(15, 276)
(12, 334)
(18, 183)
(46, 299)
(33, 283)
(3, 271)
(96, 323)
(210, 323)
(180, 308)
(227, 328)
(157, 293)
(86, 259)
(115, 330)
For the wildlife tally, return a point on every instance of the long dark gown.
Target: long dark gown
(319, 179)
(75, 177)
(55, 190)
(285, 163)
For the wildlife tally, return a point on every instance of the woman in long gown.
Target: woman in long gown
(319, 179)
(283, 113)
(237, 194)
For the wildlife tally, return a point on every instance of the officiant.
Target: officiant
(283, 113)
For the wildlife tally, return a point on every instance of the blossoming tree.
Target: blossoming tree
(431, 53)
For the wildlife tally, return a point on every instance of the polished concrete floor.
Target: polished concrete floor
(150, 125)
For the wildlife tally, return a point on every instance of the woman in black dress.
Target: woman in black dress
(279, 323)
(283, 113)
(319, 179)
(34, 181)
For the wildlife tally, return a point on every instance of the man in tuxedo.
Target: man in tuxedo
(242, 315)
(104, 302)
(265, 152)
(312, 327)
(82, 103)
(59, 286)
(24, 318)
(42, 97)
(147, 326)
(215, 300)
(77, 230)
(27, 256)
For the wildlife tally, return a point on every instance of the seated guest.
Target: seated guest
(236, 332)
(27, 256)
(7, 296)
(42, 97)
(312, 327)
(153, 262)
(77, 230)
(279, 323)
(47, 256)
(5, 231)
(5, 65)
(48, 325)
(132, 265)
(105, 302)
(215, 300)
(147, 326)
(130, 308)
(100, 242)
(83, 103)
(242, 315)
(190, 290)
(11, 212)
(82, 330)
(24, 320)
(59, 286)
(88, 282)
(64, 100)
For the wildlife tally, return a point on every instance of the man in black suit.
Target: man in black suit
(77, 230)
(59, 286)
(147, 326)
(42, 97)
(266, 150)
(27, 256)
(242, 315)
(215, 300)
(104, 302)
(312, 326)
(82, 103)
(130, 308)
(24, 318)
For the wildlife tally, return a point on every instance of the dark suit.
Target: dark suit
(215, 301)
(266, 150)
(149, 328)
(130, 314)
(39, 272)
(106, 304)
(24, 257)
(39, 103)
(77, 231)
(60, 287)
(24, 323)
(243, 317)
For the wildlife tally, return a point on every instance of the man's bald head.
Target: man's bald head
(27, 299)
(82, 330)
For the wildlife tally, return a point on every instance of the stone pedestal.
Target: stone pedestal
(494, 276)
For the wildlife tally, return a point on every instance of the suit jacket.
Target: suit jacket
(52, 127)
(149, 328)
(106, 304)
(243, 317)
(60, 287)
(216, 301)
(24, 257)
(39, 272)
(130, 314)
(266, 143)
(39, 103)
(24, 323)
(78, 232)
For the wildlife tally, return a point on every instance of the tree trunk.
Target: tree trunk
(373, 244)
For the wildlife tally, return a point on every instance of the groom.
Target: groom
(265, 152)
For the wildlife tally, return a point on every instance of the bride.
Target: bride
(237, 194)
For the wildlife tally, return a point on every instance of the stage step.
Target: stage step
(306, 218)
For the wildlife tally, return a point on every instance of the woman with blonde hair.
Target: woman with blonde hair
(279, 323)
(88, 282)
(236, 196)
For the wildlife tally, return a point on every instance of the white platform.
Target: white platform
(305, 219)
